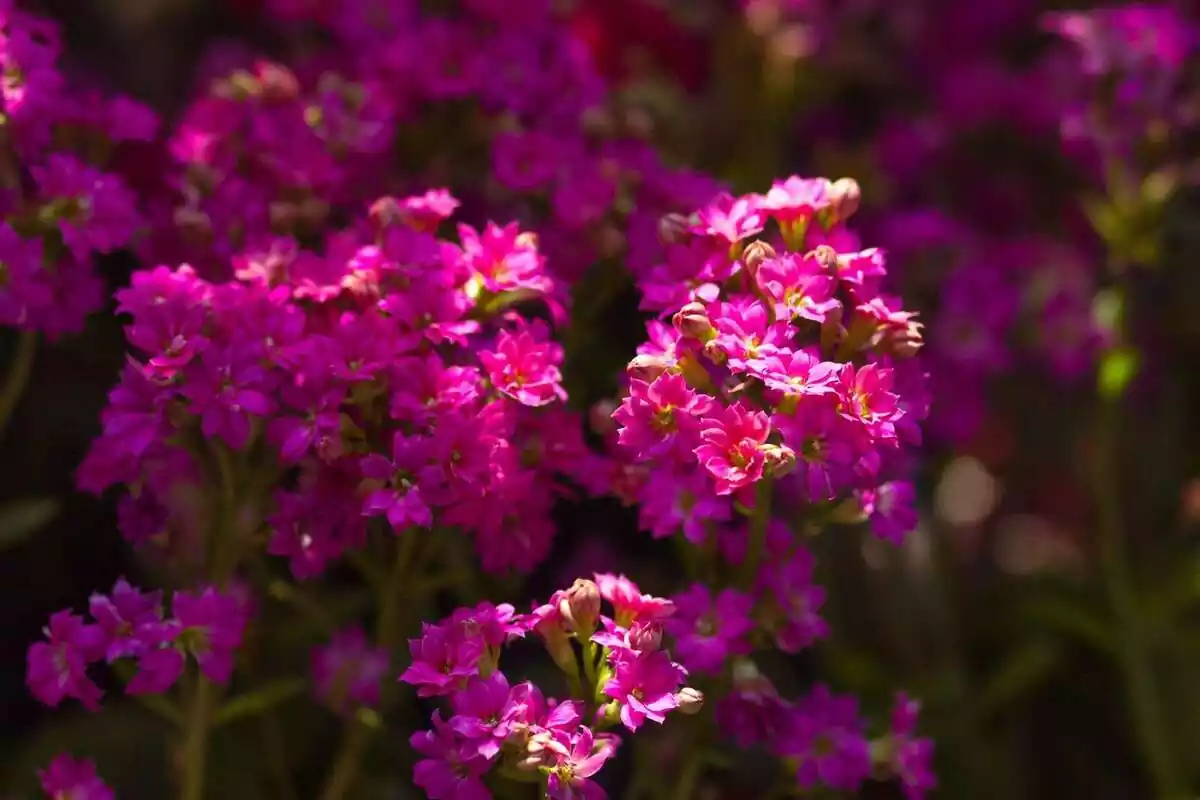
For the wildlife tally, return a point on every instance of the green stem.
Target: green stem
(1142, 691)
(18, 376)
(348, 763)
(195, 743)
(757, 544)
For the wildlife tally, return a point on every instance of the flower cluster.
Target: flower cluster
(67, 777)
(130, 624)
(782, 362)
(64, 184)
(388, 377)
(620, 675)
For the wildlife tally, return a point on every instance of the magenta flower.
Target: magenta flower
(795, 199)
(709, 630)
(158, 668)
(211, 627)
(891, 510)
(681, 500)
(661, 417)
(798, 372)
(450, 770)
(629, 604)
(800, 287)
(645, 684)
(503, 259)
(57, 669)
(95, 211)
(66, 778)
(524, 366)
(229, 389)
(912, 757)
(576, 758)
(129, 618)
(479, 713)
(347, 671)
(399, 498)
(753, 713)
(825, 739)
(746, 334)
(729, 219)
(443, 659)
(865, 396)
(827, 447)
(732, 449)
(789, 582)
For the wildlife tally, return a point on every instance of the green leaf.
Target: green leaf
(1117, 368)
(1073, 619)
(23, 518)
(1021, 672)
(260, 700)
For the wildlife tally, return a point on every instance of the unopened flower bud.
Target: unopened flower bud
(580, 606)
(780, 459)
(905, 342)
(844, 197)
(690, 700)
(692, 321)
(277, 82)
(755, 254)
(673, 229)
(826, 256)
(384, 213)
(646, 367)
(646, 637)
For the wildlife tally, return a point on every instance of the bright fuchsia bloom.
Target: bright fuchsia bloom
(629, 604)
(709, 630)
(826, 740)
(528, 713)
(57, 668)
(795, 199)
(131, 620)
(798, 372)
(745, 332)
(753, 713)
(577, 757)
(525, 161)
(347, 671)
(424, 212)
(732, 451)
(912, 757)
(502, 260)
(66, 778)
(451, 769)
(729, 219)
(399, 497)
(496, 625)
(691, 271)
(799, 285)
(827, 447)
(865, 396)
(789, 583)
(443, 659)
(645, 684)
(681, 499)
(524, 366)
(479, 714)
(170, 310)
(891, 510)
(212, 624)
(661, 418)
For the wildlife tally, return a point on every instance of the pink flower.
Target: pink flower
(479, 714)
(732, 449)
(400, 498)
(212, 624)
(629, 604)
(662, 417)
(576, 758)
(911, 757)
(56, 669)
(709, 630)
(789, 583)
(129, 619)
(66, 778)
(729, 219)
(796, 199)
(826, 741)
(503, 259)
(524, 366)
(891, 511)
(450, 770)
(645, 684)
(865, 396)
(443, 659)
(347, 671)
(746, 334)
(800, 287)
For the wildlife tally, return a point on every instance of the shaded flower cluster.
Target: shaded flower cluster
(65, 185)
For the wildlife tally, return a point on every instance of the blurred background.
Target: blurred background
(988, 178)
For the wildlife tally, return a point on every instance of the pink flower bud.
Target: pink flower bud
(673, 229)
(692, 321)
(690, 701)
(580, 606)
(755, 254)
(844, 197)
(646, 638)
(647, 367)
